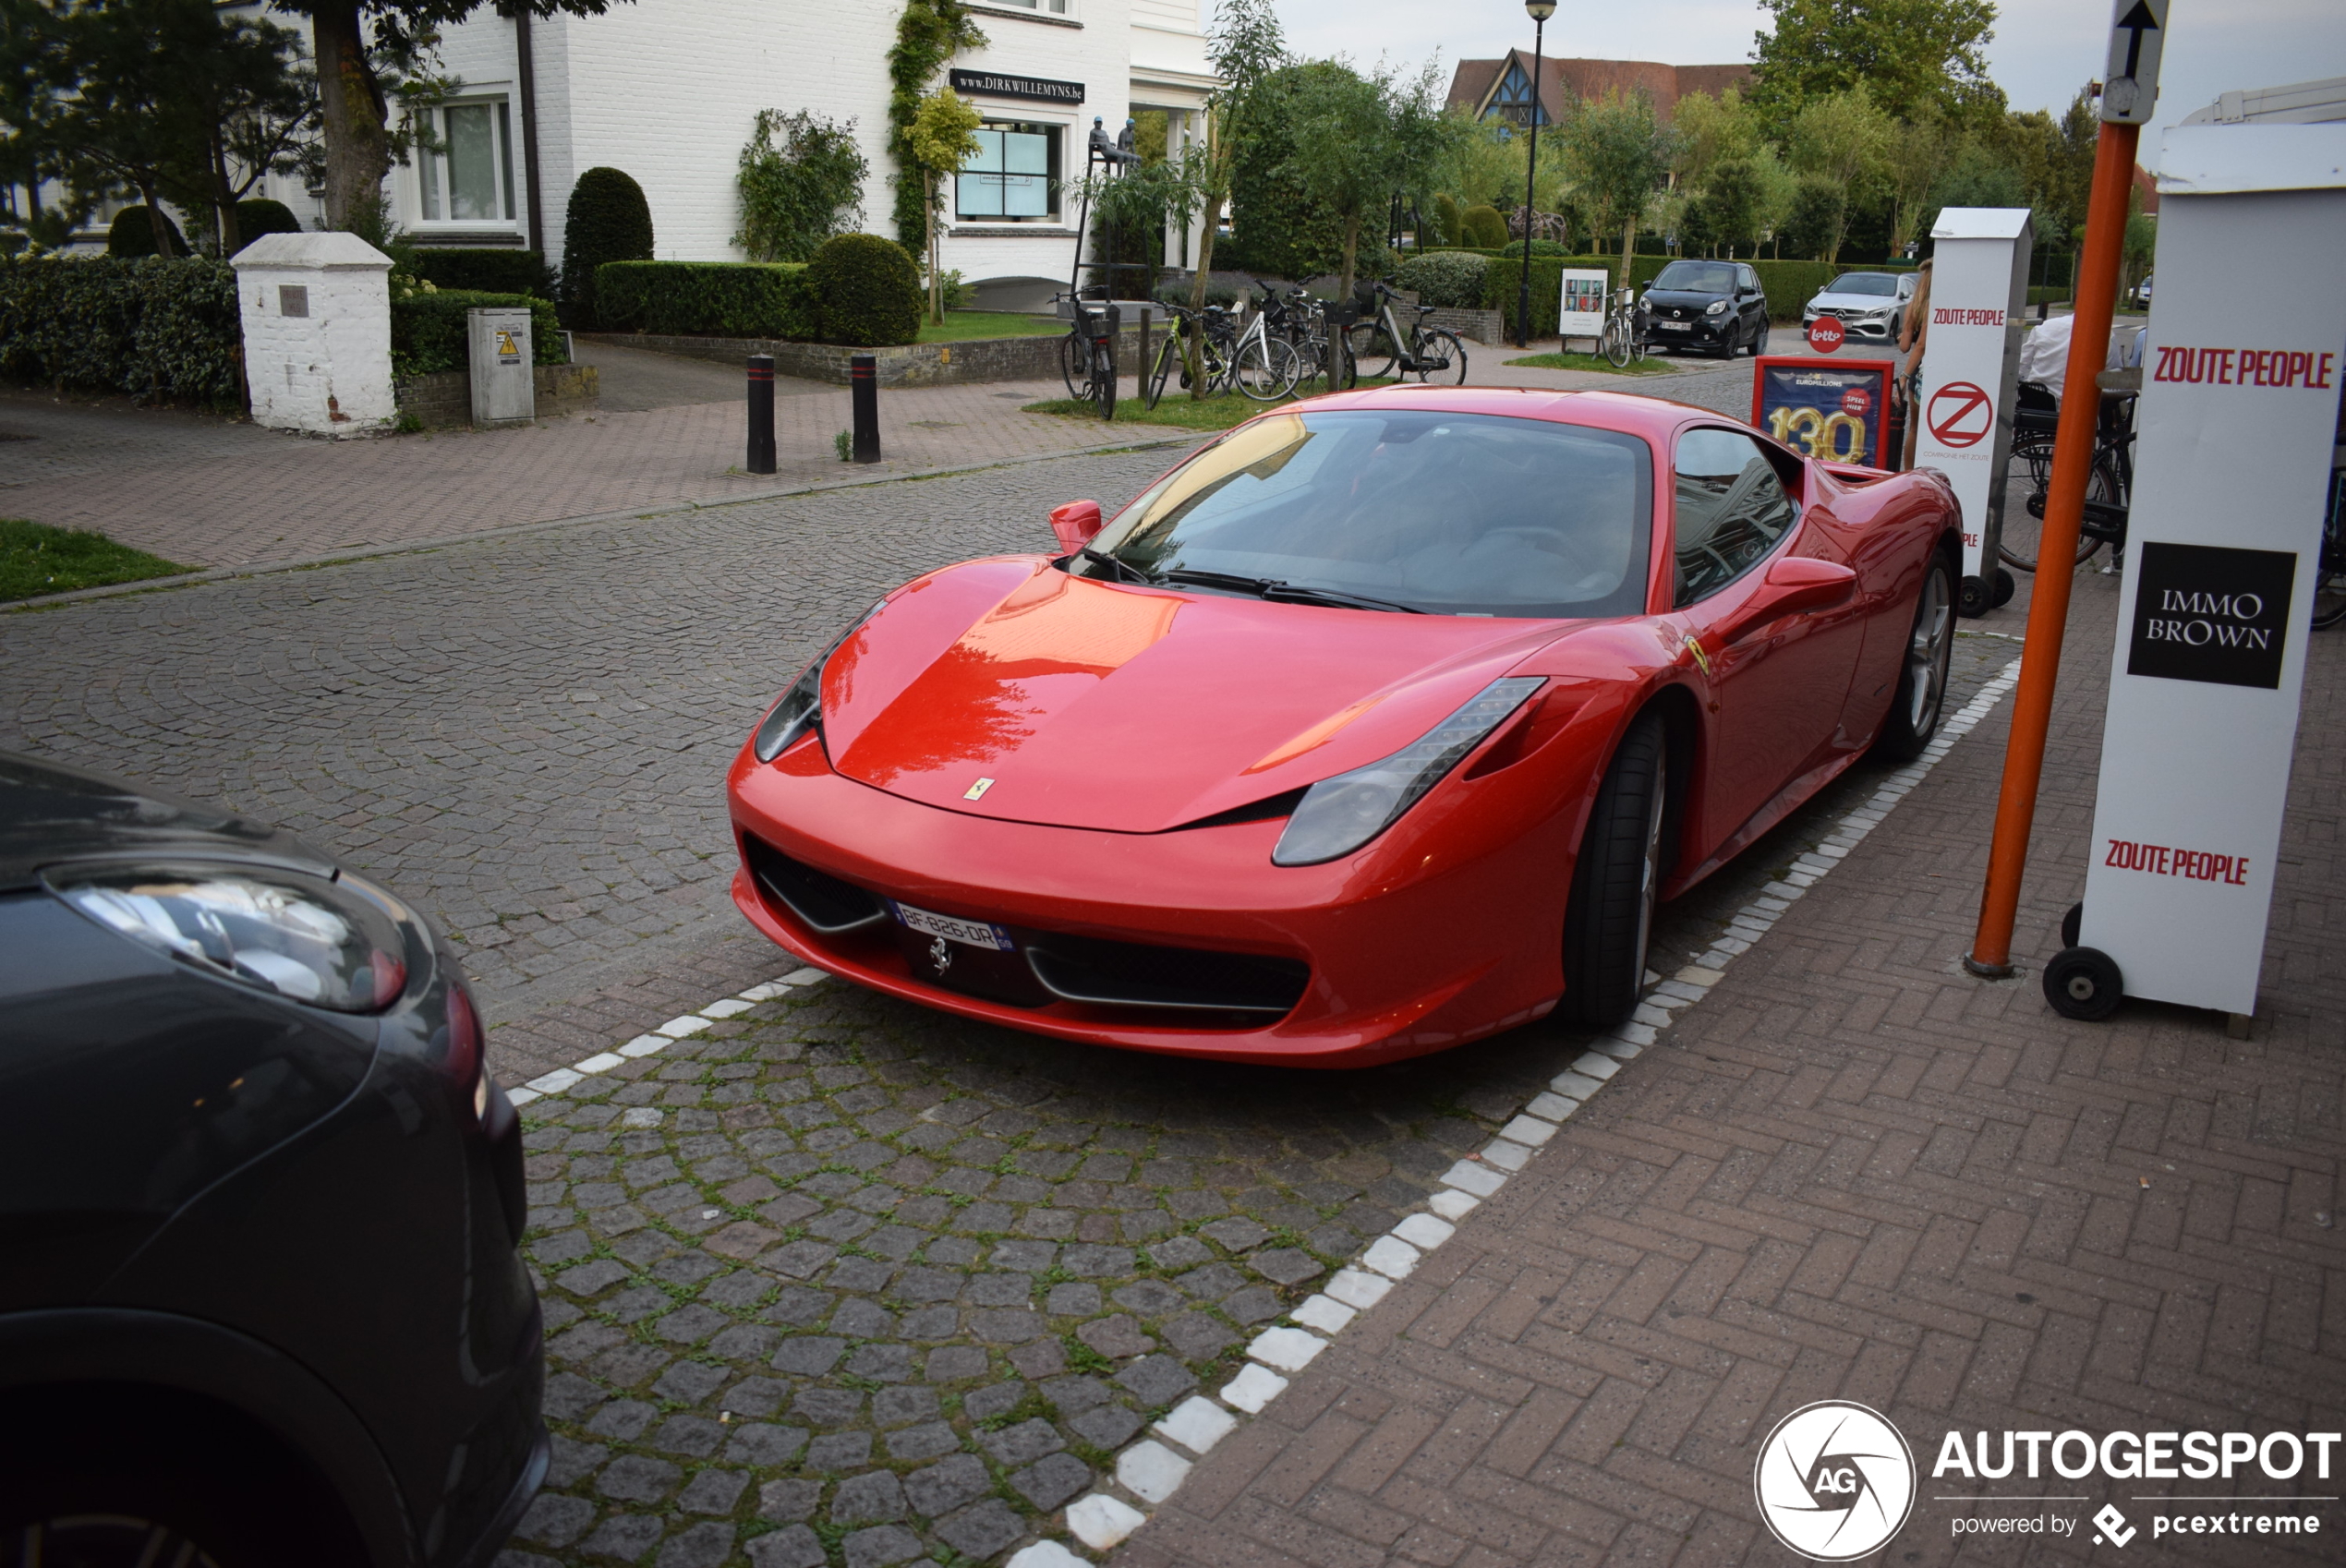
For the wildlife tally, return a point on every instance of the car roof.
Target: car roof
(1655, 418)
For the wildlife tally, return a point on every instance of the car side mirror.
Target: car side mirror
(1798, 585)
(1075, 524)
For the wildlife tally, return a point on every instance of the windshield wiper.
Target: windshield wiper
(1123, 569)
(1284, 593)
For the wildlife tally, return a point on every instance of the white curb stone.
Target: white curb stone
(1529, 1130)
(1255, 1387)
(1100, 1522)
(1197, 1423)
(645, 1044)
(1590, 1064)
(1468, 1176)
(556, 1081)
(807, 976)
(1151, 1471)
(520, 1097)
(1575, 1085)
(1426, 1231)
(726, 1008)
(1452, 1204)
(677, 1029)
(602, 1063)
(1325, 1313)
(1046, 1554)
(1357, 1287)
(1552, 1106)
(1289, 1350)
(1505, 1155)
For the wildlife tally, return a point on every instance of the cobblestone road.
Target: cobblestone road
(839, 1279)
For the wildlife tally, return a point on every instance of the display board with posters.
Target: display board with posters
(1970, 367)
(1835, 409)
(2232, 444)
(1580, 311)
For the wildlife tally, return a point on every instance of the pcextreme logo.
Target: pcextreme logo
(1834, 1480)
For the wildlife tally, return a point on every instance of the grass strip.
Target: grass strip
(966, 326)
(1646, 366)
(36, 559)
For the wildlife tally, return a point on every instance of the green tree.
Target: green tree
(1819, 215)
(1913, 156)
(1615, 153)
(944, 137)
(1727, 210)
(1279, 224)
(1713, 131)
(801, 181)
(1841, 138)
(1245, 47)
(372, 57)
(1360, 139)
(1908, 52)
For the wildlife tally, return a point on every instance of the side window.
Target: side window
(1731, 510)
(1750, 280)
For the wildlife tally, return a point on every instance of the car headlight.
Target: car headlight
(1339, 814)
(1644, 306)
(1718, 308)
(323, 943)
(801, 707)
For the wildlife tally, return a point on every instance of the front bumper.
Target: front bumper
(1857, 331)
(1700, 332)
(1447, 928)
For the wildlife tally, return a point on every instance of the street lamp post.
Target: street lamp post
(1540, 11)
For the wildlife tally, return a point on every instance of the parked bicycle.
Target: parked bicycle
(2329, 566)
(2108, 484)
(1300, 318)
(1250, 361)
(1087, 355)
(1382, 349)
(1622, 345)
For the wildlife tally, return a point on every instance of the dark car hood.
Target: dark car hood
(51, 813)
(1097, 704)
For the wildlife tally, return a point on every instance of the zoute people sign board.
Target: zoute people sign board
(1970, 368)
(2239, 406)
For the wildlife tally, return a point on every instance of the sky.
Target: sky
(2043, 50)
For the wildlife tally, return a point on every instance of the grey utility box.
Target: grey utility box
(504, 378)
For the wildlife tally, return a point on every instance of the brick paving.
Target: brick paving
(1855, 1172)
(211, 492)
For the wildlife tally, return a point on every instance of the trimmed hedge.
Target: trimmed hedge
(1481, 226)
(731, 299)
(868, 291)
(259, 215)
(1789, 285)
(1452, 278)
(154, 327)
(487, 268)
(608, 220)
(132, 233)
(428, 332)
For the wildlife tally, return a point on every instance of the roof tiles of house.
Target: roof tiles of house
(1565, 81)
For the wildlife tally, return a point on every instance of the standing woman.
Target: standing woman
(1913, 328)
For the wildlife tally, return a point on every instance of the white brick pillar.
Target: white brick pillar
(317, 324)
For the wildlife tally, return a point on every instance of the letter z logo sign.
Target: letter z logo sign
(1960, 413)
(1834, 1481)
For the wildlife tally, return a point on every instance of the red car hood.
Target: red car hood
(1096, 705)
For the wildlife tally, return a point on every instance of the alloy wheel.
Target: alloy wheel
(1928, 650)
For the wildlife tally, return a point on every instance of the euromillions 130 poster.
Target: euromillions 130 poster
(1836, 411)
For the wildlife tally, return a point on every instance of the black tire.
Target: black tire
(1103, 380)
(1168, 354)
(1075, 366)
(1616, 881)
(2071, 924)
(1444, 346)
(2084, 983)
(1920, 701)
(1375, 354)
(2006, 585)
(1974, 599)
(1760, 344)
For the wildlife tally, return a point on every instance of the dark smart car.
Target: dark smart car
(1717, 307)
(260, 1199)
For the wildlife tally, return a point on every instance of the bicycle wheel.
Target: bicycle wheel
(1075, 366)
(2025, 483)
(1168, 354)
(1266, 370)
(1441, 357)
(2330, 567)
(1617, 345)
(1375, 354)
(1104, 379)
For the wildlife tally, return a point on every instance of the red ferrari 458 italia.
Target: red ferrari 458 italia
(1378, 723)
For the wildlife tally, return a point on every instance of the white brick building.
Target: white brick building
(668, 91)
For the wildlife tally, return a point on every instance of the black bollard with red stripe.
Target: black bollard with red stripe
(862, 377)
(761, 414)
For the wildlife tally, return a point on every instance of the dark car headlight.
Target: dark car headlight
(1718, 308)
(801, 707)
(1339, 814)
(324, 943)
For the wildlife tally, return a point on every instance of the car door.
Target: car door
(1754, 303)
(1777, 689)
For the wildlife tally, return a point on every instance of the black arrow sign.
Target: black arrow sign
(2138, 21)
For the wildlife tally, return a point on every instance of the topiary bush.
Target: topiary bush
(608, 220)
(866, 291)
(429, 332)
(261, 216)
(132, 233)
(156, 327)
(1448, 278)
(1447, 219)
(1483, 226)
(489, 269)
(731, 299)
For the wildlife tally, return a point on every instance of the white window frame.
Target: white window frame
(431, 168)
(1055, 173)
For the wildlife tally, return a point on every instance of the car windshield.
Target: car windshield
(1450, 513)
(1864, 283)
(1697, 277)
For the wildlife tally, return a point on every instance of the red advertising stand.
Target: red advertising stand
(1837, 410)
(2239, 408)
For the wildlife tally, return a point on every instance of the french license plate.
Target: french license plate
(969, 932)
(1675, 326)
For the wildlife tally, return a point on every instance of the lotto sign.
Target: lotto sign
(1970, 367)
(1832, 409)
(2233, 435)
(1826, 333)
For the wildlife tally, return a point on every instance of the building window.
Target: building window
(1013, 173)
(1514, 99)
(1055, 7)
(469, 177)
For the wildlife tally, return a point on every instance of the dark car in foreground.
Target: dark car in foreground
(1717, 307)
(259, 1202)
